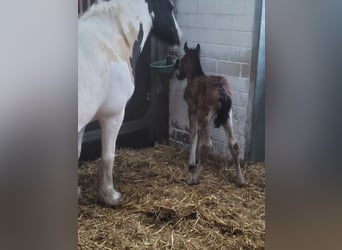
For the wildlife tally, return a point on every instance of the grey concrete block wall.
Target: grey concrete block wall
(224, 29)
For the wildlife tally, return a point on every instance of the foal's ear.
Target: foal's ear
(186, 49)
(198, 47)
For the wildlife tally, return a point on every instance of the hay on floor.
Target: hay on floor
(160, 211)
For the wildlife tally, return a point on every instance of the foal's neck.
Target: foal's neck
(196, 71)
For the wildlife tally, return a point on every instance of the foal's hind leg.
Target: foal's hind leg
(204, 146)
(234, 148)
(110, 127)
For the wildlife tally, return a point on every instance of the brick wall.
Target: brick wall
(224, 28)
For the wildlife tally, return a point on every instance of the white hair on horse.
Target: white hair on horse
(111, 36)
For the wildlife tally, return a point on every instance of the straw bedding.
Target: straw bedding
(160, 211)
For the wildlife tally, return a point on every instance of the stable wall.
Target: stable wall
(225, 31)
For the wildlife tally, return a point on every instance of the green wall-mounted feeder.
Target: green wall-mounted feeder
(165, 66)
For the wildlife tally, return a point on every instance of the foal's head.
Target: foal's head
(189, 65)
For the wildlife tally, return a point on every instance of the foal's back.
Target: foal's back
(204, 91)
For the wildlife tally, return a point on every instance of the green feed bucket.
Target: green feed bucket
(165, 66)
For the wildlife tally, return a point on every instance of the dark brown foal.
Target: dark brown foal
(206, 96)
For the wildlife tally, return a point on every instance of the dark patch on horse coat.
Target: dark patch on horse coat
(222, 113)
(136, 49)
(164, 26)
(150, 5)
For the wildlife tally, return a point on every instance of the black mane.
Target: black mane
(196, 64)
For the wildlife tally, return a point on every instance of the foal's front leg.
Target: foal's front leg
(110, 127)
(234, 148)
(193, 136)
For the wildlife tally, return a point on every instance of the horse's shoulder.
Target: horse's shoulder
(191, 90)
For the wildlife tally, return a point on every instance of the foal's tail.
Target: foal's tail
(222, 114)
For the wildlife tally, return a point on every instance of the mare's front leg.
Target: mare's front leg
(110, 127)
(80, 138)
(234, 148)
(204, 146)
(193, 136)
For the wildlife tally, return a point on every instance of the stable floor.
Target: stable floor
(160, 211)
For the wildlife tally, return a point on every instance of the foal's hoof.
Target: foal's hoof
(79, 193)
(240, 182)
(109, 198)
(191, 168)
(193, 181)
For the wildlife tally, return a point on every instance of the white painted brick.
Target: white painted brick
(187, 6)
(243, 100)
(242, 143)
(240, 55)
(227, 152)
(241, 128)
(238, 84)
(239, 113)
(236, 7)
(235, 97)
(245, 70)
(250, 8)
(217, 21)
(218, 148)
(228, 68)
(209, 65)
(226, 53)
(220, 37)
(218, 134)
(211, 51)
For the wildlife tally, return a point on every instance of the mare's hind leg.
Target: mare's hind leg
(110, 127)
(204, 146)
(234, 148)
(80, 138)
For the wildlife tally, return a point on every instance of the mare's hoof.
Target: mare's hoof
(109, 199)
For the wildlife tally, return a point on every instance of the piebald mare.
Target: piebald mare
(111, 36)
(207, 97)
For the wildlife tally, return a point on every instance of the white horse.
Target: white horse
(111, 36)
